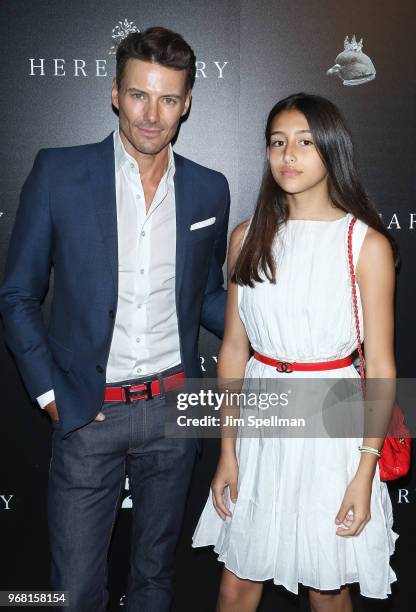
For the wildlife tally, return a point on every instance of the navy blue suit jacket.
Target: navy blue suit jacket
(67, 221)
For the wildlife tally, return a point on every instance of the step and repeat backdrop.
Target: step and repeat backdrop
(58, 63)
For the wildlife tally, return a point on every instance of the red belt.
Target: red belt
(289, 367)
(145, 390)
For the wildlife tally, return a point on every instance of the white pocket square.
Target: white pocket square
(200, 224)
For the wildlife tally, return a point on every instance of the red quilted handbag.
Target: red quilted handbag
(395, 454)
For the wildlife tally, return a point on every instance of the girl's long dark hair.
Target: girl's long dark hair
(334, 144)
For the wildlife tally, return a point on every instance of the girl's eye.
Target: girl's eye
(278, 143)
(281, 143)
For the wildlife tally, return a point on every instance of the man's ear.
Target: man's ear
(114, 93)
(188, 99)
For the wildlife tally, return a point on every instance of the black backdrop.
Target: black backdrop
(56, 76)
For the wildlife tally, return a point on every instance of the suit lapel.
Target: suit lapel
(102, 176)
(183, 206)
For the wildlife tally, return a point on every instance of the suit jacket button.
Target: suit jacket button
(99, 369)
(111, 314)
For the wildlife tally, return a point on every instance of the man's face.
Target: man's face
(151, 100)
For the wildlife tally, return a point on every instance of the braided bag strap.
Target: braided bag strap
(355, 303)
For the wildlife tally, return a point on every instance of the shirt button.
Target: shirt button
(138, 370)
(99, 369)
(138, 196)
(132, 165)
(137, 339)
(143, 233)
(142, 271)
(139, 305)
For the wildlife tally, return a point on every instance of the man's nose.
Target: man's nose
(152, 111)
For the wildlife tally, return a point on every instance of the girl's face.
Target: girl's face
(294, 160)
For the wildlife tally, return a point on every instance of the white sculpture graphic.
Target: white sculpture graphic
(353, 66)
(120, 32)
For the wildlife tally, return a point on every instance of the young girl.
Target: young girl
(304, 510)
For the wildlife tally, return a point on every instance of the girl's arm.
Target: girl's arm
(376, 280)
(232, 361)
(375, 274)
(234, 351)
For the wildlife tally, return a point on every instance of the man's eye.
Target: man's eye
(138, 96)
(170, 100)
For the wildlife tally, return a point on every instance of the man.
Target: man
(136, 236)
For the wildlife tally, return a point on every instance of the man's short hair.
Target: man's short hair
(157, 45)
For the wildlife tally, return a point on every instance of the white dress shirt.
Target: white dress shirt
(146, 338)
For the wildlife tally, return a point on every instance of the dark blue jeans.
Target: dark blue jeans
(86, 481)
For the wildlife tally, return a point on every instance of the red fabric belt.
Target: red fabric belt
(288, 367)
(145, 390)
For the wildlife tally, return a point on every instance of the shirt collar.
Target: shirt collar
(122, 157)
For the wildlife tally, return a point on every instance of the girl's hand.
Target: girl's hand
(225, 476)
(354, 512)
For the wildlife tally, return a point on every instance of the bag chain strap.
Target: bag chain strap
(355, 303)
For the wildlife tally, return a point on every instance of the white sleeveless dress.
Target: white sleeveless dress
(290, 490)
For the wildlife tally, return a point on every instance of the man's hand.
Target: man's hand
(52, 410)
